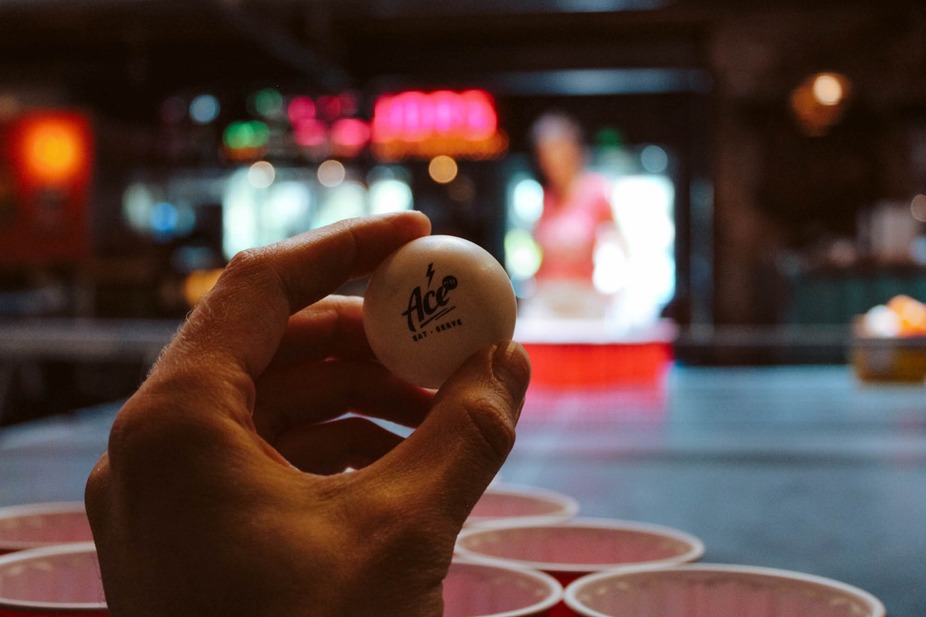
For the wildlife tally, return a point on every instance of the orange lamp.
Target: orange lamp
(54, 148)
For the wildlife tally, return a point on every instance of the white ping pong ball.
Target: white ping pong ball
(432, 304)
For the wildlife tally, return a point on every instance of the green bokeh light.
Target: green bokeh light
(267, 103)
(246, 134)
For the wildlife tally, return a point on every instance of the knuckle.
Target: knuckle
(147, 440)
(247, 260)
(495, 430)
(251, 274)
(96, 489)
(130, 438)
(251, 267)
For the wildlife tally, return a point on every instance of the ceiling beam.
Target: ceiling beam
(281, 45)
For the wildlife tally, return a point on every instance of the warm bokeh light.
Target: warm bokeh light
(198, 283)
(911, 314)
(828, 89)
(46, 168)
(261, 174)
(442, 169)
(54, 149)
(918, 208)
(331, 173)
(820, 101)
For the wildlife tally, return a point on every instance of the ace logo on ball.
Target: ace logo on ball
(428, 305)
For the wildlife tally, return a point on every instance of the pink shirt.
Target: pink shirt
(567, 230)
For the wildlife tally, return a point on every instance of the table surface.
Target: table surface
(84, 339)
(801, 468)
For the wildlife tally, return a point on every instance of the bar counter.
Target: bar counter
(801, 468)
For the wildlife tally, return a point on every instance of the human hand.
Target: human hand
(219, 492)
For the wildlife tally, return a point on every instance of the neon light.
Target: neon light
(481, 119)
(311, 133)
(328, 107)
(446, 111)
(415, 123)
(349, 136)
(300, 108)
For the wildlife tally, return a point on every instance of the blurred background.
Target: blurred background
(764, 163)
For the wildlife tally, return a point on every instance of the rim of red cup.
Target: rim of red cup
(552, 599)
(694, 552)
(24, 511)
(567, 506)
(20, 557)
(570, 597)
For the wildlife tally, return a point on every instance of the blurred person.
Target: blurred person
(220, 492)
(576, 229)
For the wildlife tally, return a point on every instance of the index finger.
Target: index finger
(242, 320)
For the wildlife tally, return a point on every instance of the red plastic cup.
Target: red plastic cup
(510, 501)
(42, 524)
(477, 589)
(707, 590)
(570, 549)
(52, 581)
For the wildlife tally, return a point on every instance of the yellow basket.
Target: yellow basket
(899, 360)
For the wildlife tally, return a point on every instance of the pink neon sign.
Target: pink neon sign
(415, 116)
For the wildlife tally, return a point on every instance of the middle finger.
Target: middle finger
(332, 327)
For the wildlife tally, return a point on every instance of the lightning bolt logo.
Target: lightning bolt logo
(430, 273)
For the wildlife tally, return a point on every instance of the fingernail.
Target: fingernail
(511, 367)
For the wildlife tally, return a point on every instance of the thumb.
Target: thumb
(458, 449)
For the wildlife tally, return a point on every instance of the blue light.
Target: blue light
(164, 219)
(204, 109)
